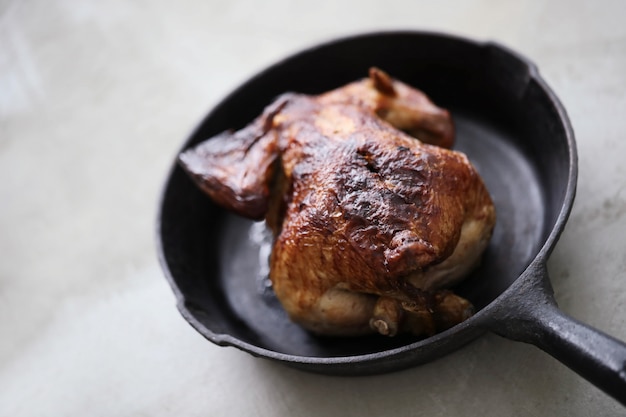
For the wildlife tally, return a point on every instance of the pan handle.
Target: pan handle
(533, 317)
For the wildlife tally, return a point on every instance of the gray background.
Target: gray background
(95, 99)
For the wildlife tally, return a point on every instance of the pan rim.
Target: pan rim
(475, 322)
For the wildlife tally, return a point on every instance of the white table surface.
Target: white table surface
(95, 99)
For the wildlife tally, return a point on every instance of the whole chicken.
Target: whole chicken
(373, 218)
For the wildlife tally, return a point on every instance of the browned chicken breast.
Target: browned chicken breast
(373, 218)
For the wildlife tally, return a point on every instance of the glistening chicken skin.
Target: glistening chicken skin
(373, 217)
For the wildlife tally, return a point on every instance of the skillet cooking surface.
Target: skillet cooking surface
(244, 247)
(506, 123)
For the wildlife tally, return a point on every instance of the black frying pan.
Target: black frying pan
(512, 127)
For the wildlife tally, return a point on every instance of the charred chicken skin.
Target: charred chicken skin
(373, 217)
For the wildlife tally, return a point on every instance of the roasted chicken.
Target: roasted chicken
(373, 217)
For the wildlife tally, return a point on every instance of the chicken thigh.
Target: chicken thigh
(374, 219)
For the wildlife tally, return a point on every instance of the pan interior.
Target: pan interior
(506, 124)
(512, 182)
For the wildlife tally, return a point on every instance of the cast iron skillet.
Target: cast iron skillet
(512, 127)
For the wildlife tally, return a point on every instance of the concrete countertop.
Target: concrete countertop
(95, 99)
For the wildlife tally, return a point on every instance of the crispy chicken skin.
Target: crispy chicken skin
(373, 218)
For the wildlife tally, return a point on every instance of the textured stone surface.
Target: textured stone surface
(95, 99)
